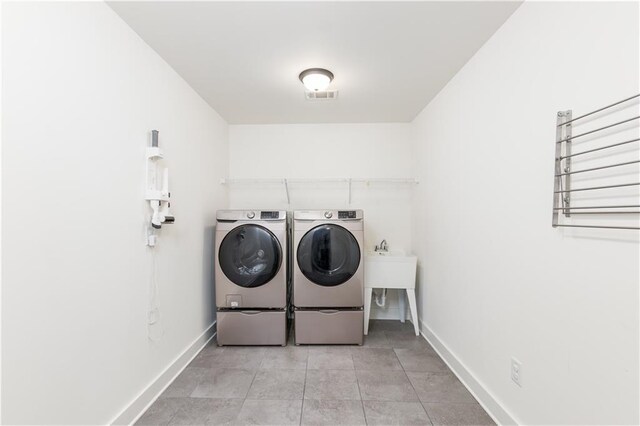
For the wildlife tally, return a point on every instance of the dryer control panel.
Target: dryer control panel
(269, 215)
(346, 214)
(329, 215)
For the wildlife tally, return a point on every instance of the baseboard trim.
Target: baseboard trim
(489, 402)
(148, 396)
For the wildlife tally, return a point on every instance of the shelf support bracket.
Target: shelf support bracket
(562, 200)
(286, 189)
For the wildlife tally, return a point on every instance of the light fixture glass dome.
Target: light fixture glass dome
(316, 79)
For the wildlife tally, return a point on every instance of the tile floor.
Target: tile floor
(395, 378)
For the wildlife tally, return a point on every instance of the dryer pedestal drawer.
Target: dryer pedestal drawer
(251, 328)
(326, 326)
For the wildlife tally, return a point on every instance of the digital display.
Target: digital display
(269, 215)
(350, 214)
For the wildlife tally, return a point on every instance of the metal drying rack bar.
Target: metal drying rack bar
(563, 172)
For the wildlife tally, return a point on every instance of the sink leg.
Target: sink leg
(367, 308)
(402, 306)
(411, 295)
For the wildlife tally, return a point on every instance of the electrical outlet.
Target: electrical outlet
(516, 371)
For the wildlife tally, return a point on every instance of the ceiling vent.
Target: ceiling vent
(321, 95)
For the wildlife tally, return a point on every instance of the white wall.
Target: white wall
(330, 151)
(81, 94)
(496, 280)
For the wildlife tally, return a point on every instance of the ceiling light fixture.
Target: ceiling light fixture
(315, 79)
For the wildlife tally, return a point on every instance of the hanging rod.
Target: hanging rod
(597, 187)
(596, 207)
(598, 129)
(319, 180)
(286, 188)
(225, 181)
(599, 168)
(598, 226)
(598, 110)
(607, 212)
(598, 149)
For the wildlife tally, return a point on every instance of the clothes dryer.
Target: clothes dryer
(328, 276)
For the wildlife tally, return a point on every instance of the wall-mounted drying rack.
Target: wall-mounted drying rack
(616, 139)
(286, 181)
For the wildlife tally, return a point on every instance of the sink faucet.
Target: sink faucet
(382, 246)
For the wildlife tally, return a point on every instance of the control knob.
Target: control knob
(328, 215)
(251, 215)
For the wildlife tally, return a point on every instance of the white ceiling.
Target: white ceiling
(389, 58)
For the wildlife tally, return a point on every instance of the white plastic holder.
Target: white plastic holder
(156, 195)
(153, 192)
(157, 188)
(154, 153)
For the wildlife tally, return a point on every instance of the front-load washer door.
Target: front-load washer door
(250, 256)
(329, 258)
(328, 255)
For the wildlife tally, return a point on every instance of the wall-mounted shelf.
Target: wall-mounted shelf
(286, 181)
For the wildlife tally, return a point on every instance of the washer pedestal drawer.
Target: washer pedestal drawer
(251, 327)
(329, 326)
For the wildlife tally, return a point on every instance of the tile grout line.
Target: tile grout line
(304, 388)
(434, 373)
(244, 400)
(355, 371)
(173, 416)
(188, 399)
(413, 387)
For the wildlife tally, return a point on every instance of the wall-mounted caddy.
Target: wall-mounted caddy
(157, 189)
(604, 185)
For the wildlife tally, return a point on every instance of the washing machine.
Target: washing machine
(251, 277)
(328, 276)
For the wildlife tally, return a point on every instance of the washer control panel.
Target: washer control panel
(252, 215)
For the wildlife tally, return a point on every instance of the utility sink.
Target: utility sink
(395, 270)
(389, 269)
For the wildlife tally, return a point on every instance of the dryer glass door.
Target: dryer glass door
(250, 255)
(328, 255)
